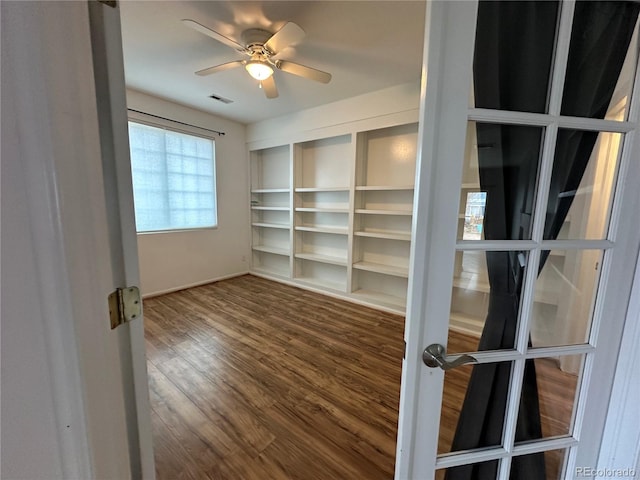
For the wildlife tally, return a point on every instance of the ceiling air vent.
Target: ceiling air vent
(220, 99)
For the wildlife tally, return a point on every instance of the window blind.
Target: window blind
(173, 174)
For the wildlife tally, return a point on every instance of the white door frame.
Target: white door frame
(448, 51)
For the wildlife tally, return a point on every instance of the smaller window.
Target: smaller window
(474, 215)
(174, 186)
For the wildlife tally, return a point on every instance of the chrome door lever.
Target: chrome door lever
(435, 355)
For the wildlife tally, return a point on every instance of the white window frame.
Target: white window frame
(142, 119)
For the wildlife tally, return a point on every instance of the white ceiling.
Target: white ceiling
(365, 45)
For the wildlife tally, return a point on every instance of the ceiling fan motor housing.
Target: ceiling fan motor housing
(255, 38)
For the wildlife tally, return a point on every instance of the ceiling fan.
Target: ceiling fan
(262, 48)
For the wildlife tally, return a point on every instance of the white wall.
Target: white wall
(390, 106)
(170, 261)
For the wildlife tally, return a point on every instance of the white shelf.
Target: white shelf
(320, 229)
(315, 257)
(383, 299)
(322, 283)
(270, 271)
(389, 235)
(270, 190)
(385, 269)
(469, 186)
(268, 249)
(278, 209)
(384, 187)
(384, 212)
(321, 189)
(270, 225)
(322, 210)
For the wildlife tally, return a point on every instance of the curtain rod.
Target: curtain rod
(175, 121)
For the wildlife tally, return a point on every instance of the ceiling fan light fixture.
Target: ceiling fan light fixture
(259, 70)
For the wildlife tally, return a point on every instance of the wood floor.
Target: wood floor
(252, 379)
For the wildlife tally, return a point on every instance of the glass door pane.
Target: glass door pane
(602, 58)
(484, 300)
(498, 187)
(552, 459)
(513, 55)
(456, 419)
(564, 297)
(583, 178)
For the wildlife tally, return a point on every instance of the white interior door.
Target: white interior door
(82, 412)
(525, 236)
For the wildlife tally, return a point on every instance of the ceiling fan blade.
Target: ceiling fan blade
(302, 71)
(220, 68)
(215, 35)
(269, 87)
(287, 35)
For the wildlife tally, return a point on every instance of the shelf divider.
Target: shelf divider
(283, 226)
(390, 235)
(316, 257)
(369, 211)
(321, 189)
(270, 190)
(270, 249)
(394, 270)
(321, 229)
(382, 188)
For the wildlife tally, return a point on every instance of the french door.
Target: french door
(526, 231)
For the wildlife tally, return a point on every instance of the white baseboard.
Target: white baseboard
(329, 293)
(191, 285)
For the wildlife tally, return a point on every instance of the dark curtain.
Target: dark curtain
(514, 48)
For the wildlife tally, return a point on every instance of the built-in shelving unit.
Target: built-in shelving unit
(342, 209)
(271, 211)
(385, 176)
(322, 199)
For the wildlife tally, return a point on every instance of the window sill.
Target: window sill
(177, 230)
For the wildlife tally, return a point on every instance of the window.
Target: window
(174, 183)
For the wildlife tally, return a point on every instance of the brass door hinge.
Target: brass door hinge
(124, 305)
